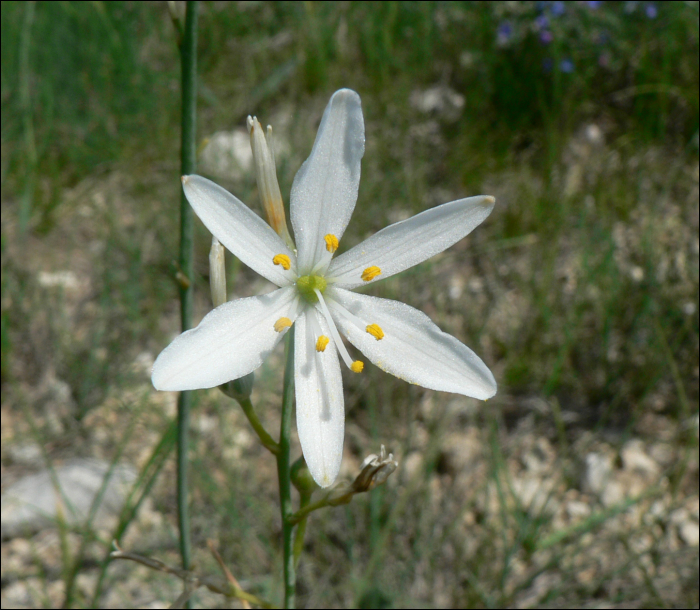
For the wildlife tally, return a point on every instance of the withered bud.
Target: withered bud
(375, 471)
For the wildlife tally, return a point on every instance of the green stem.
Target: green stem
(305, 510)
(301, 530)
(284, 472)
(188, 61)
(26, 202)
(265, 438)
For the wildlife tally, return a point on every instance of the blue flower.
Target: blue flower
(504, 32)
(541, 22)
(558, 8)
(651, 11)
(592, 4)
(566, 65)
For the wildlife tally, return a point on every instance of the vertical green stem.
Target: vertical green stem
(284, 472)
(301, 530)
(25, 208)
(188, 61)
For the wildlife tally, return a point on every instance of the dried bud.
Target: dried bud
(375, 471)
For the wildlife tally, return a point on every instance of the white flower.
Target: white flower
(314, 293)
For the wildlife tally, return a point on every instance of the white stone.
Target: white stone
(679, 516)
(598, 472)
(689, 533)
(635, 459)
(438, 99)
(577, 509)
(33, 503)
(25, 453)
(535, 495)
(594, 134)
(67, 280)
(612, 494)
(227, 154)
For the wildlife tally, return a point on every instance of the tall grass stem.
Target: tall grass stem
(27, 200)
(188, 61)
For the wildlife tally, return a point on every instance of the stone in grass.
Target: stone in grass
(689, 532)
(227, 154)
(636, 460)
(33, 503)
(598, 472)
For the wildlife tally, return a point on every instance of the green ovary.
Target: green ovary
(306, 285)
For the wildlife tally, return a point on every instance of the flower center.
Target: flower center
(306, 285)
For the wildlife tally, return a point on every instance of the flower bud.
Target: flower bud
(239, 389)
(301, 477)
(266, 176)
(217, 273)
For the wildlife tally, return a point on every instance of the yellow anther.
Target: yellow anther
(376, 331)
(282, 323)
(357, 366)
(370, 273)
(282, 259)
(331, 242)
(321, 343)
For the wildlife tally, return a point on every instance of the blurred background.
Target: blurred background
(576, 486)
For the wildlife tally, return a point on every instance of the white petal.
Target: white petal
(409, 242)
(240, 229)
(325, 187)
(413, 348)
(230, 342)
(319, 398)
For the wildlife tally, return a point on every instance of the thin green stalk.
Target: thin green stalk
(305, 510)
(267, 441)
(284, 472)
(26, 202)
(188, 62)
(301, 530)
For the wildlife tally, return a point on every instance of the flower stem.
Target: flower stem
(284, 472)
(267, 441)
(301, 531)
(25, 100)
(304, 511)
(188, 62)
